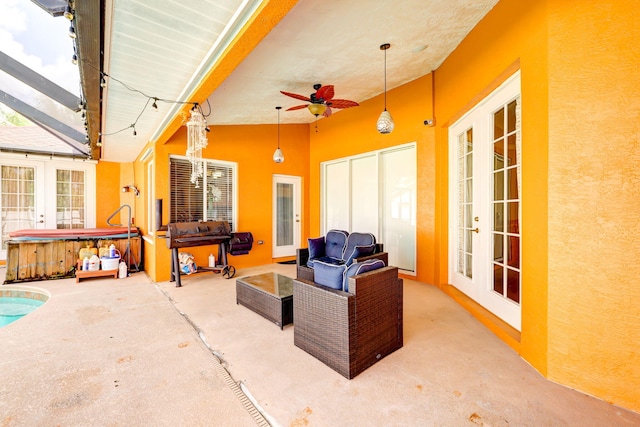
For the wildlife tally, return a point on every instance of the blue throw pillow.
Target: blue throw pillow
(358, 252)
(329, 275)
(316, 247)
(359, 268)
(335, 242)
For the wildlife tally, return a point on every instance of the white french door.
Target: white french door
(286, 215)
(39, 193)
(485, 203)
(22, 205)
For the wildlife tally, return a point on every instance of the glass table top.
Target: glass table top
(273, 283)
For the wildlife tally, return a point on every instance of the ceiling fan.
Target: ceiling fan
(321, 101)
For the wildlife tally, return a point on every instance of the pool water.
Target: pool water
(14, 308)
(18, 301)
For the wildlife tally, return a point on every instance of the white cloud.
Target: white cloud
(13, 21)
(12, 18)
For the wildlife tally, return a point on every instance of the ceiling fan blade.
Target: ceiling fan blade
(297, 107)
(327, 112)
(343, 103)
(296, 96)
(325, 92)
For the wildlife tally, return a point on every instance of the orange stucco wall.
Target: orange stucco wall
(107, 191)
(580, 200)
(594, 198)
(251, 147)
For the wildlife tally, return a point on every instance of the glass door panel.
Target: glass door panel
(286, 215)
(506, 228)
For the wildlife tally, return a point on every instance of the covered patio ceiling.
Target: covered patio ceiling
(233, 57)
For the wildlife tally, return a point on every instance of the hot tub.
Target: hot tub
(53, 254)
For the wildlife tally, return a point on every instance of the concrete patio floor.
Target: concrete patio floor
(110, 352)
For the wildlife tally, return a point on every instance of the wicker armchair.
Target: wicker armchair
(350, 331)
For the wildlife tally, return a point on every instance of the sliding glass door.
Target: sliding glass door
(375, 192)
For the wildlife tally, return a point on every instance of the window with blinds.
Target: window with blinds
(211, 200)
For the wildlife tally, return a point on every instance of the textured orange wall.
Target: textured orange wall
(353, 131)
(252, 148)
(107, 191)
(594, 198)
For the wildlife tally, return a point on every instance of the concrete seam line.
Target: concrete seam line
(246, 401)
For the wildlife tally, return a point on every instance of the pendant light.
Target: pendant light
(385, 121)
(278, 157)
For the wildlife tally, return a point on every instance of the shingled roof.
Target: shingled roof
(34, 139)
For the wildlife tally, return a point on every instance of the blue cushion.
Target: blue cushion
(335, 242)
(359, 268)
(365, 240)
(329, 275)
(329, 260)
(316, 247)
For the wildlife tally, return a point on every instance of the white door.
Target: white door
(485, 195)
(41, 193)
(22, 205)
(286, 215)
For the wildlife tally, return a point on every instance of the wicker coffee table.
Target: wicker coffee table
(269, 294)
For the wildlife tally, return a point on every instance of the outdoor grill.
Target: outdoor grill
(191, 234)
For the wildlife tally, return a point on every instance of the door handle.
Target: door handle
(476, 230)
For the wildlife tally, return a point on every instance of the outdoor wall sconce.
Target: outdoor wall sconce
(133, 188)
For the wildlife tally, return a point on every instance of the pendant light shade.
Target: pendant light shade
(278, 157)
(385, 121)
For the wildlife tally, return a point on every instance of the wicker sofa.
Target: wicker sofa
(350, 331)
(338, 247)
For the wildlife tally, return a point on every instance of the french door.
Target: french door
(485, 203)
(38, 193)
(286, 215)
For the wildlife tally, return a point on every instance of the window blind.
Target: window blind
(212, 201)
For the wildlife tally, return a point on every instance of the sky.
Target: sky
(36, 39)
(33, 37)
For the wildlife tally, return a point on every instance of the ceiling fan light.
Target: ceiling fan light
(385, 123)
(317, 109)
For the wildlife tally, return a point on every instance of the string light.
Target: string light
(153, 100)
(68, 12)
(197, 125)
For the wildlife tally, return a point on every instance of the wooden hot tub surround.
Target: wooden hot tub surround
(53, 254)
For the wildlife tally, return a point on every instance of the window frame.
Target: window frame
(202, 183)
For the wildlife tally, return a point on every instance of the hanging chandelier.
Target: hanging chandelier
(196, 141)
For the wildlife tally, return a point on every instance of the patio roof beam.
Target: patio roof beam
(38, 116)
(38, 82)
